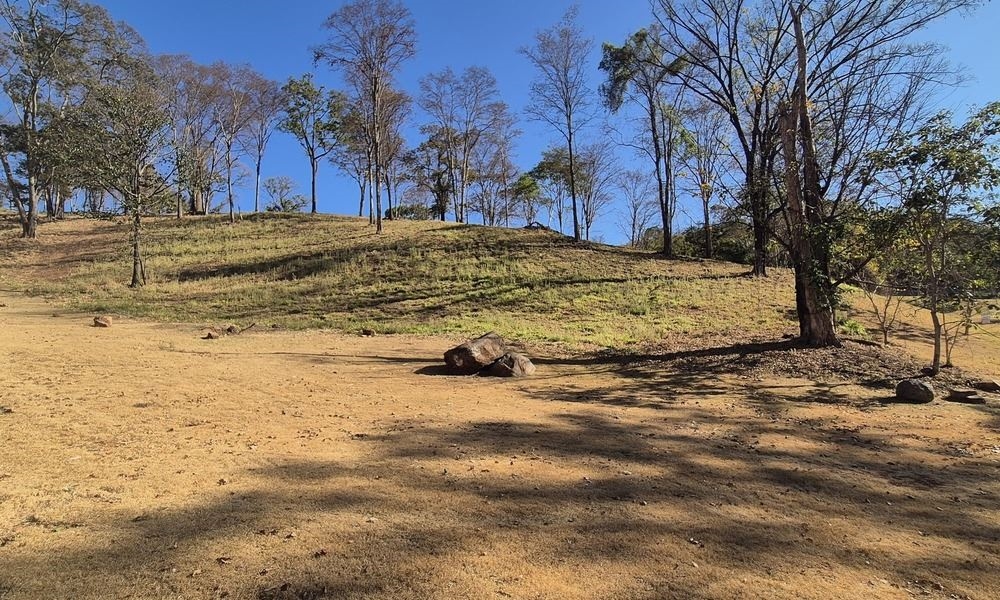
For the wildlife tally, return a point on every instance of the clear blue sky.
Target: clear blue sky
(275, 37)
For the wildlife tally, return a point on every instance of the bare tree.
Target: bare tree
(560, 96)
(266, 104)
(194, 92)
(702, 154)
(281, 191)
(398, 106)
(369, 41)
(639, 204)
(728, 62)
(352, 152)
(598, 172)
(809, 88)
(466, 107)
(232, 113)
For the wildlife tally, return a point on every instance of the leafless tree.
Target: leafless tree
(233, 113)
(266, 104)
(369, 41)
(809, 87)
(465, 106)
(729, 61)
(702, 155)
(598, 173)
(560, 96)
(639, 199)
(193, 94)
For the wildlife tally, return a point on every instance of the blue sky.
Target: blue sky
(275, 37)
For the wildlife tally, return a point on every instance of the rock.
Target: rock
(102, 321)
(965, 396)
(915, 391)
(511, 364)
(475, 355)
(987, 385)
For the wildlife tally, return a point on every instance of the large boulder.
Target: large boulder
(475, 355)
(915, 391)
(511, 364)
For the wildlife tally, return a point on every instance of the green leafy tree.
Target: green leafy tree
(313, 115)
(124, 135)
(50, 50)
(945, 172)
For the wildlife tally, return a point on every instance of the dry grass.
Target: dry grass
(142, 462)
(424, 278)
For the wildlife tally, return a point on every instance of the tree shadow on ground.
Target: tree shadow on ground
(584, 491)
(726, 482)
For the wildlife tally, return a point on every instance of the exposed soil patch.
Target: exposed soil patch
(143, 462)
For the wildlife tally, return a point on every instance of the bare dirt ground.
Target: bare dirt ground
(143, 462)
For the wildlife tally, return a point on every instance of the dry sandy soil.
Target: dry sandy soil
(141, 461)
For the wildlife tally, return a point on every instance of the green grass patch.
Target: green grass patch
(299, 271)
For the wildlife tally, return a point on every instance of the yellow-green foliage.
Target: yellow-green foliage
(417, 277)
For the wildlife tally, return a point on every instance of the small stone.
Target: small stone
(915, 391)
(965, 396)
(987, 385)
(103, 321)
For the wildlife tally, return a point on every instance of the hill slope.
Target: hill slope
(418, 277)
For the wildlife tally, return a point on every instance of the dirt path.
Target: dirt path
(143, 462)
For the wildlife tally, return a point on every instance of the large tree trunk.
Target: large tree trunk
(138, 268)
(938, 333)
(15, 193)
(388, 197)
(661, 186)
(60, 205)
(256, 189)
(361, 205)
(30, 228)
(572, 183)
(313, 167)
(813, 297)
(229, 184)
(709, 243)
(756, 199)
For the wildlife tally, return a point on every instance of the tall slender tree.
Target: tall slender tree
(266, 104)
(637, 72)
(368, 43)
(125, 145)
(313, 115)
(560, 96)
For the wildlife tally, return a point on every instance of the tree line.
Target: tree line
(804, 128)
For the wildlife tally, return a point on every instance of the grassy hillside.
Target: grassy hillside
(418, 277)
